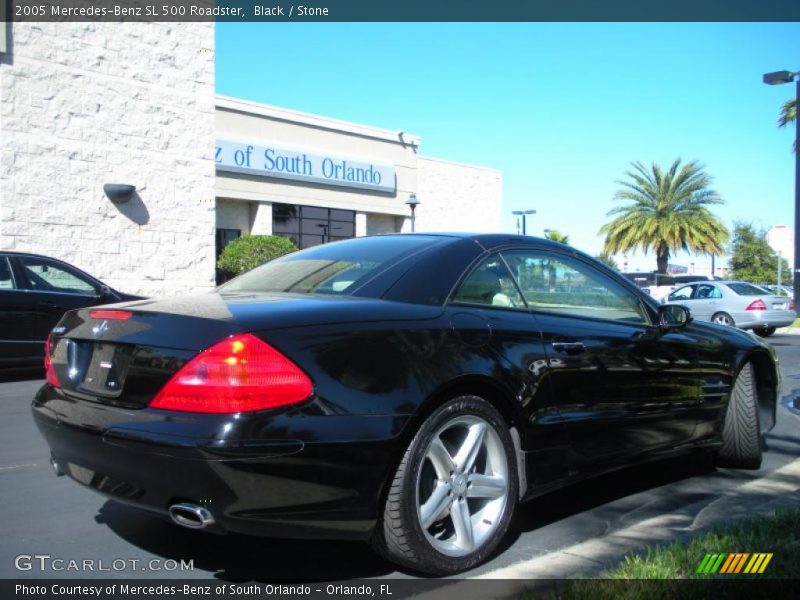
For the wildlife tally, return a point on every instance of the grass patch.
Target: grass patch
(796, 322)
(671, 571)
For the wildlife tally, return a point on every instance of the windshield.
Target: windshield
(335, 268)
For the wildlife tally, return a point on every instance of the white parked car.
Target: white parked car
(735, 303)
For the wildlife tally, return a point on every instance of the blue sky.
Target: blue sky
(560, 109)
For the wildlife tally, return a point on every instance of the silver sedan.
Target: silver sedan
(735, 303)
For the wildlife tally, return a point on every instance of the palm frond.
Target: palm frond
(665, 210)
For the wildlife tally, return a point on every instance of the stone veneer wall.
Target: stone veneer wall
(83, 104)
(457, 197)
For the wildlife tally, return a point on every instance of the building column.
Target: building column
(261, 218)
(361, 224)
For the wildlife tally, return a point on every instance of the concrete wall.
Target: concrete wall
(83, 104)
(233, 215)
(383, 224)
(457, 197)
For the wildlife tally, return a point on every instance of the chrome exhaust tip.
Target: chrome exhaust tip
(191, 515)
(56, 467)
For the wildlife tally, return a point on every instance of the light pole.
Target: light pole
(413, 203)
(776, 78)
(523, 214)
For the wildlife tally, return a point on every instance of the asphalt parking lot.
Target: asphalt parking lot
(46, 515)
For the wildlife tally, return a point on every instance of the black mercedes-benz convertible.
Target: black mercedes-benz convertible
(409, 390)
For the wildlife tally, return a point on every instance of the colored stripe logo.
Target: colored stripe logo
(734, 563)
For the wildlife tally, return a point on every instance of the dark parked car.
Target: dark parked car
(35, 292)
(409, 390)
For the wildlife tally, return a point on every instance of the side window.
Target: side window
(707, 292)
(6, 276)
(559, 284)
(490, 285)
(685, 293)
(45, 276)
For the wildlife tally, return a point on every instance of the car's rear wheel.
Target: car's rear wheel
(723, 318)
(454, 491)
(764, 331)
(741, 437)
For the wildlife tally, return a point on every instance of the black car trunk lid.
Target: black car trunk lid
(126, 361)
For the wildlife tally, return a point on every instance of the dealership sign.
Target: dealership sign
(299, 165)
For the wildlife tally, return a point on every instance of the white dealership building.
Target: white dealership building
(134, 104)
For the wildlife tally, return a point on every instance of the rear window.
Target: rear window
(746, 289)
(336, 268)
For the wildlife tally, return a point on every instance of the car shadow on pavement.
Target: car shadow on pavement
(594, 493)
(236, 557)
(242, 558)
(21, 374)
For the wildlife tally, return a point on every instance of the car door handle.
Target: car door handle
(46, 304)
(568, 347)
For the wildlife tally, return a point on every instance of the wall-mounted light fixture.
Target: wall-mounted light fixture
(119, 193)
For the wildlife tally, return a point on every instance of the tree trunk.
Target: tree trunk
(662, 259)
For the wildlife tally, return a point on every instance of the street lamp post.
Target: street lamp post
(523, 214)
(413, 203)
(776, 78)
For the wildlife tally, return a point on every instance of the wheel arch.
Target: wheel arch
(494, 392)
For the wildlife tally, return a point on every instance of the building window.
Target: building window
(224, 237)
(310, 226)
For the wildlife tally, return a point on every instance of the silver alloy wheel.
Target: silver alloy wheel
(462, 486)
(723, 319)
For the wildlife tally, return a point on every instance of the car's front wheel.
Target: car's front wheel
(454, 491)
(764, 331)
(741, 435)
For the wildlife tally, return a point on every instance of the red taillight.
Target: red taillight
(110, 314)
(791, 304)
(49, 370)
(757, 305)
(241, 373)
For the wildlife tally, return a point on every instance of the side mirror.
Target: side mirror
(104, 293)
(673, 316)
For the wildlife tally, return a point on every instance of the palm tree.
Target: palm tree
(788, 115)
(667, 213)
(608, 259)
(556, 236)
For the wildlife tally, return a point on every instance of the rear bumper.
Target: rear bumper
(322, 478)
(755, 319)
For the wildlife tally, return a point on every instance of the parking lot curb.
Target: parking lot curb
(781, 488)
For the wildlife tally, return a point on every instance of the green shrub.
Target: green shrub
(249, 251)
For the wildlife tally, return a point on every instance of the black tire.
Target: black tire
(764, 331)
(741, 435)
(402, 538)
(723, 318)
